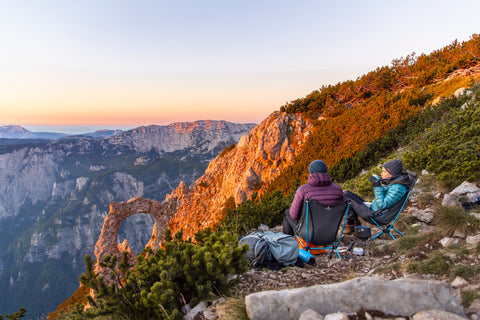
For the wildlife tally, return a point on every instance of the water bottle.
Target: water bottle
(306, 256)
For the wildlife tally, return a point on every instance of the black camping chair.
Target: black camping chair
(385, 219)
(319, 224)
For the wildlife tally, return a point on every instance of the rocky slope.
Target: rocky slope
(257, 159)
(55, 195)
(384, 261)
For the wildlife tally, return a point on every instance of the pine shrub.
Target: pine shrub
(162, 281)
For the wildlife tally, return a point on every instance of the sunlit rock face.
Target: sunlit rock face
(257, 159)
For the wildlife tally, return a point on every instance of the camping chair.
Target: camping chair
(319, 224)
(385, 219)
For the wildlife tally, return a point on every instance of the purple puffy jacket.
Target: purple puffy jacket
(319, 187)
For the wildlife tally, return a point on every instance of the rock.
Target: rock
(466, 188)
(476, 215)
(473, 239)
(437, 315)
(459, 91)
(336, 316)
(350, 296)
(107, 243)
(425, 172)
(474, 307)
(447, 241)
(258, 158)
(310, 314)
(199, 308)
(459, 282)
(423, 215)
(450, 200)
(459, 234)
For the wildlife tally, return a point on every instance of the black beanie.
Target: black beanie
(317, 166)
(394, 167)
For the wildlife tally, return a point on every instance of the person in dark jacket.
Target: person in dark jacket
(319, 187)
(388, 190)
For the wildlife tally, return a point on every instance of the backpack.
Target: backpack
(270, 247)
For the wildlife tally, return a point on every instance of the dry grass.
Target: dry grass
(448, 219)
(232, 309)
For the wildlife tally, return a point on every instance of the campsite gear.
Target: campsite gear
(358, 251)
(270, 247)
(307, 257)
(319, 225)
(283, 246)
(363, 232)
(472, 204)
(303, 244)
(385, 219)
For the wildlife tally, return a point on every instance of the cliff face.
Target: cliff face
(54, 197)
(258, 158)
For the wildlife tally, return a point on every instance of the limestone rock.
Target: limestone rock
(350, 296)
(437, 315)
(447, 241)
(161, 213)
(257, 159)
(473, 239)
(425, 216)
(459, 282)
(310, 314)
(466, 188)
(336, 316)
(474, 307)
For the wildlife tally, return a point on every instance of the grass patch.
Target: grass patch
(438, 264)
(448, 219)
(411, 242)
(468, 296)
(425, 199)
(232, 309)
(466, 272)
(394, 268)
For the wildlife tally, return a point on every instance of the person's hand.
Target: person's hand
(374, 180)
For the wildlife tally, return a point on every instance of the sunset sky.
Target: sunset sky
(75, 66)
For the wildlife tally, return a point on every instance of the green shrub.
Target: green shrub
(160, 283)
(17, 315)
(449, 148)
(268, 209)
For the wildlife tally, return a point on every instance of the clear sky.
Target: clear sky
(121, 64)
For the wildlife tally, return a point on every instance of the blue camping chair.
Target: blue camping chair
(319, 225)
(385, 219)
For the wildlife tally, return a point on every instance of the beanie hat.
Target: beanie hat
(394, 167)
(317, 166)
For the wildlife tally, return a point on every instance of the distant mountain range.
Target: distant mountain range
(55, 192)
(19, 132)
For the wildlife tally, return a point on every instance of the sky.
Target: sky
(77, 66)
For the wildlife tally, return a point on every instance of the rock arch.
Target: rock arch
(107, 243)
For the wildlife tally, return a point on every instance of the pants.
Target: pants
(357, 207)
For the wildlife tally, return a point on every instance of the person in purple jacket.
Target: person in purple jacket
(319, 187)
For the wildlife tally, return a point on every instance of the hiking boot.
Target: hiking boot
(349, 229)
(350, 226)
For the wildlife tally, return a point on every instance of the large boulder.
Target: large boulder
(401, 297)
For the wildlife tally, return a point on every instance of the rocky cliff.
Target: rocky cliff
(55, 195)
(258, 158)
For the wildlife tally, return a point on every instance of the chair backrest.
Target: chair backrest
(384, 217)
(319, 223)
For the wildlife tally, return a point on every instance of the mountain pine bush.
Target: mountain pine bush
(450, 148)
(165, 279)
